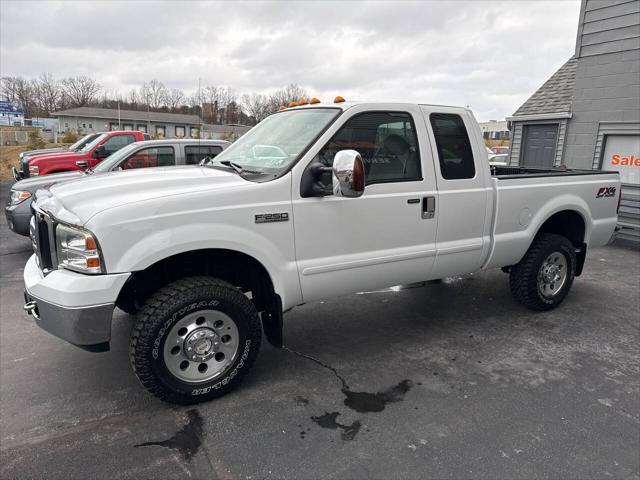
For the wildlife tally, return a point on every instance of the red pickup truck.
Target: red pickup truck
(89, 156)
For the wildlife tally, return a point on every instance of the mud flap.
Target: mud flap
(272, 322)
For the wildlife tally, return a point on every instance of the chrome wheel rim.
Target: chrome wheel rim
(201, 346)
(552, 274)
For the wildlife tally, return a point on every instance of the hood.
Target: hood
(31, 153)
(96, 193)
(32, 184)
(37, 159)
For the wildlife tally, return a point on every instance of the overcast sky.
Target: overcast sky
(490, 55)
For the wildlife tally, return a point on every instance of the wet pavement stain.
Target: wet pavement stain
(301, 401)
(365, 402)
(329, 420)
(187, 440)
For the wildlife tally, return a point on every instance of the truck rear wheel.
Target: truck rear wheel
(194, 340)
(544, 276)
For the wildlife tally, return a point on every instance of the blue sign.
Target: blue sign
(10, 107)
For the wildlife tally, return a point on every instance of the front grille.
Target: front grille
(43, 241)
(25, 167)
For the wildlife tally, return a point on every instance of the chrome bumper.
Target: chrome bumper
(87, 327)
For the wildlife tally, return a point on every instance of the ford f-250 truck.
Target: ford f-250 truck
(23, 158)
(316, 201)
(88, 156)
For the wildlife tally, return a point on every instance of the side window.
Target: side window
(150, 157)
(386, 141)
(195, 153)
(454, 147)
(179, 131)
(116, 142)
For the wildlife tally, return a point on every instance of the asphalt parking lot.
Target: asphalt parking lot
(450, 380)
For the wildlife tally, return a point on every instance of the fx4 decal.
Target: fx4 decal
(272, 217)
(606, 192)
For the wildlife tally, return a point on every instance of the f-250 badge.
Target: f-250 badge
(272, 217)
(606, 192)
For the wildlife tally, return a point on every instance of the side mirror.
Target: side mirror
(100, 152)
(348, 174)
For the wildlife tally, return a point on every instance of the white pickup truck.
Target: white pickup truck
(316, 201)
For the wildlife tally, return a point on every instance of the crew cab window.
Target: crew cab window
(116, 142)
(195, 153)
(150, 157)
(387, 143)
(453, 145)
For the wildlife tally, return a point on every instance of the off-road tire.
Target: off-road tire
(523, 277)
(165, 308)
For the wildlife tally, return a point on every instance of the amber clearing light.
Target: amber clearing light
(304, 101)
(91, 244)
(314, 100)
(93, 262)
(338, 99)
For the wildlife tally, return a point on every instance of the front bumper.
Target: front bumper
(18, 217)
(74, 307)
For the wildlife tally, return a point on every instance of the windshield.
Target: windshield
(93, 142)
(82, 142)
(115, 158)
(277, 142)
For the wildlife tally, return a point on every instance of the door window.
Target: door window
(116, 142)
(195, 153)
(454, 148)
(150, 157)
(387, 143)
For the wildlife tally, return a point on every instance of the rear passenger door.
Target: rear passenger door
(463, 191)
(193, 154)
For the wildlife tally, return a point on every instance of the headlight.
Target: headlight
(18, 196)
(34, 170)
(21, 155)
(77, 250)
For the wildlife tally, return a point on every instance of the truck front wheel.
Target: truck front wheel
(194, 340)
(544, 276)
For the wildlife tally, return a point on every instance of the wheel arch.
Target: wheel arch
(238, 268)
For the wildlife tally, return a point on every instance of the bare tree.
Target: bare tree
(291, 93)
(175, 98)
(257, 106)
(80, 91)
(154, 93)
(49, 93)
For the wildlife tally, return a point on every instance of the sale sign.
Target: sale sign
(622, 154)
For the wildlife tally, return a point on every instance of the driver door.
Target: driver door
(383, 238)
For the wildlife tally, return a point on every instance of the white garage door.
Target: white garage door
(622, 154)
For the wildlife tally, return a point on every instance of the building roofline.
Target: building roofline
(539, 116)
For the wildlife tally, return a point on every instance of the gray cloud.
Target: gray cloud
(490, 55)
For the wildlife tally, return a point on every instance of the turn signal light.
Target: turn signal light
(314, 100)
(93, 262)
(338, 99)
(91, 244)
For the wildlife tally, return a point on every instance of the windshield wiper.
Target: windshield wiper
(239, 169)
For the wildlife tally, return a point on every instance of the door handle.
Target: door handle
(428, 207)
(82, 163)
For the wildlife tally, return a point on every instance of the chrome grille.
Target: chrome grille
(42, 233)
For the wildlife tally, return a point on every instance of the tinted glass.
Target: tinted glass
(150, 157)
(195, 153)
(454, 148)
(386, 141)
(116, 142)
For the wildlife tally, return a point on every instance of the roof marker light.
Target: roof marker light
(293, 104)
(338, 99)
(314, 100)
(304, 101)
(282, 107)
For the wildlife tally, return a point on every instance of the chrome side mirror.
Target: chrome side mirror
(348, 174)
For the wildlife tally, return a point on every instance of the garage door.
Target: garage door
(622, 154)
(539, 145)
